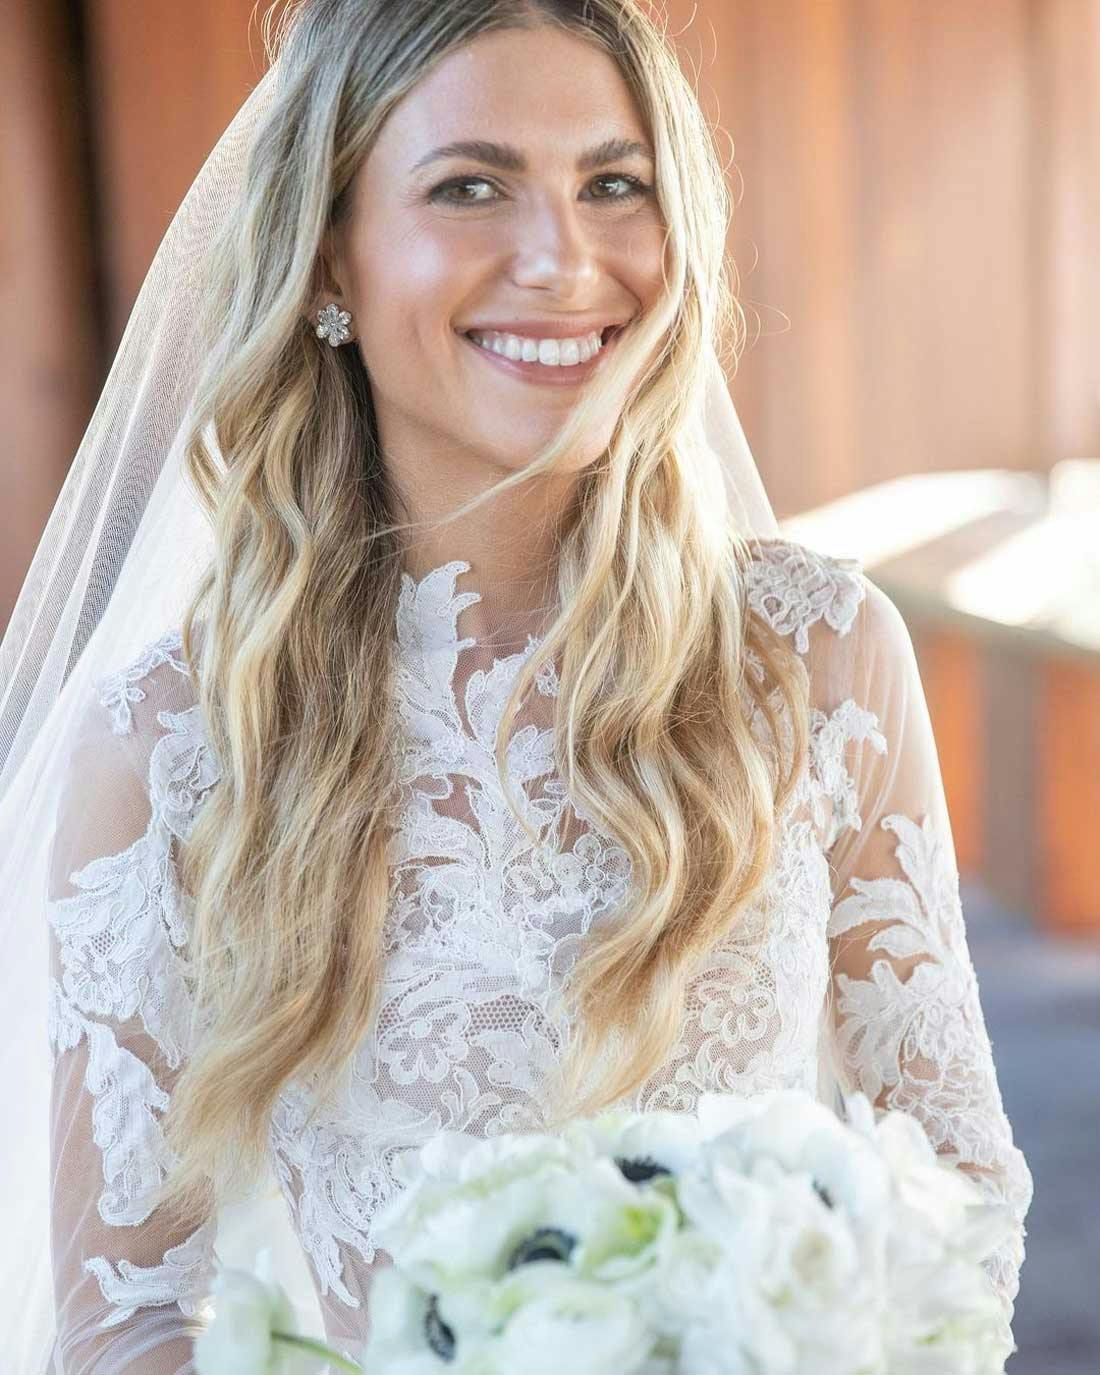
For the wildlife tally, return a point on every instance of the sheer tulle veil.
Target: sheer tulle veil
(118, 561)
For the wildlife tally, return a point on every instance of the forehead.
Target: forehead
(547, 91)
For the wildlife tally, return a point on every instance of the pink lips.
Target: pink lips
(539, 372)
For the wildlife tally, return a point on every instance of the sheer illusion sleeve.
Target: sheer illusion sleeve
(907, 1021)
(126, 1285)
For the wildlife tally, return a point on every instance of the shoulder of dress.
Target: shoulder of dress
(118, 690)
(792, 587)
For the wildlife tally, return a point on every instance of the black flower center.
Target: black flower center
(544, 1243)
(641, 1169)
(440, 1337)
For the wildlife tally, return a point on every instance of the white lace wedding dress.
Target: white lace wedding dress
(863, 892)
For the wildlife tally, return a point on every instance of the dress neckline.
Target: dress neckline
(430, 605)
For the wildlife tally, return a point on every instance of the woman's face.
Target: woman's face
(437, 244)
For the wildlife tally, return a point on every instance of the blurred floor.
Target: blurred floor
(1041, 1000)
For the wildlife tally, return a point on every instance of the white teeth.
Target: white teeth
(550, 352)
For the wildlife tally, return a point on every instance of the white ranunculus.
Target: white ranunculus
(818, 1288)
(249, 1308)
(948, 1197)
(942, 1302)
(793, 1288)
(930, 1184)
(805, 1136)
(725, 1213)
(938, 1205)
(681, 1286)
(945, 1316)
(947, 1320)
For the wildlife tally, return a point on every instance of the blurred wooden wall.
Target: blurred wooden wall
(47, 278)
(918, 231)
(110, 108)
(915, 236)
(166, 79)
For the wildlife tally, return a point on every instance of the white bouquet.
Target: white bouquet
(761, 1236)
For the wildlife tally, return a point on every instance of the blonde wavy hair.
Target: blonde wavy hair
(287, 862)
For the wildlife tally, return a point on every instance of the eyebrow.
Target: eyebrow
(509, 159)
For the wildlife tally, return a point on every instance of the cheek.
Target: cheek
(632, 254)
(412, 288)
(653, 257)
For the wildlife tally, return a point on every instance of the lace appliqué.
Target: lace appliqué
(792, 588)
(829, 738)
(118, 691)
(921, 1046)
(118, 935)
(118, 938)
(185, 1271)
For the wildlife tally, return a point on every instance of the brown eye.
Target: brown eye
(634, 188)
(437, 192)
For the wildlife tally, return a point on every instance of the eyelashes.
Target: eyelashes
(636, 189)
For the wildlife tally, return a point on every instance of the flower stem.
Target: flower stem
(318, 1349)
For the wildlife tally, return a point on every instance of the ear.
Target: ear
(326, 282)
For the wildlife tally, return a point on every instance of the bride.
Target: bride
(413, 720)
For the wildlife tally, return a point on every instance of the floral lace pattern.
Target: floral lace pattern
(119, 691)
(117, 940)
(920, 1045)
(483, 927)
(793, 587)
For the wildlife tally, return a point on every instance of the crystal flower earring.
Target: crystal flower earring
(332, 324)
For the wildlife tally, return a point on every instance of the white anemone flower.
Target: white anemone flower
(397, 1342)
(559, 1322)
(477, 1209)
(671, 1140)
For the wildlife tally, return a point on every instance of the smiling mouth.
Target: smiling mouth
(535, 370)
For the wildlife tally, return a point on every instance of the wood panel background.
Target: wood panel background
(921, 204)
(48, 305)
(166, 78)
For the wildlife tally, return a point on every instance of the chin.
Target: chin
(523, 452)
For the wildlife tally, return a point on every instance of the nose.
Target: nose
(555, 251)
